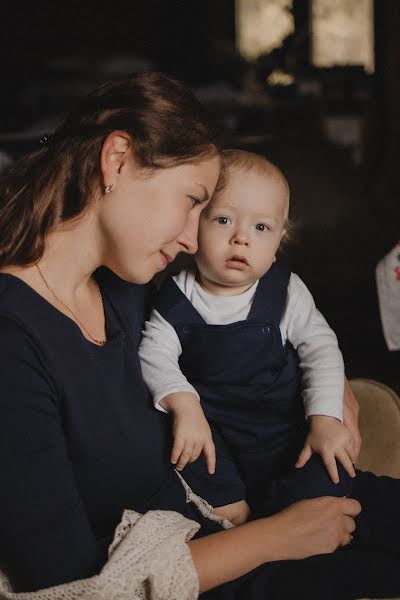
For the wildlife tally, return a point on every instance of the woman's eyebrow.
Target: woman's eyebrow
(206, 195)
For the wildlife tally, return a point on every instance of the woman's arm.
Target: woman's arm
(351, 411)
(307, 528)
(45, 535)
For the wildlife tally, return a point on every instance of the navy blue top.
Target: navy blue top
(79, 437)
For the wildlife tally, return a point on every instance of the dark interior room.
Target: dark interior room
(312, 85)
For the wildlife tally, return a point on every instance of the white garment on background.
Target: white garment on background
(388, 284)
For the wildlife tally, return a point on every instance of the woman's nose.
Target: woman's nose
(188, 238)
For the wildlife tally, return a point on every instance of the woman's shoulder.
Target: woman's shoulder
(18, 316)
(21, 353)
(7, 285)
(14, 296)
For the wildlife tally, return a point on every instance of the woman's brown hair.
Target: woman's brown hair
(167, 124)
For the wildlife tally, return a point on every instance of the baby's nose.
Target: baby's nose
(241, 239)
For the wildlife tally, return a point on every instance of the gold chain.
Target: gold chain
(99, 342)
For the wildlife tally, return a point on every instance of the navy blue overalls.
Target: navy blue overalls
(249, 385)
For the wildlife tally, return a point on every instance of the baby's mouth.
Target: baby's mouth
(238, 259)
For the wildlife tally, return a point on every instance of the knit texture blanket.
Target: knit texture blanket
(148, 559)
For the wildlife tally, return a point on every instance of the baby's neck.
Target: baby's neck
(216, 288)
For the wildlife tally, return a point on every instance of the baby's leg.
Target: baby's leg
(237, 512)
(225, 489)
(311, 481)
(378, 524)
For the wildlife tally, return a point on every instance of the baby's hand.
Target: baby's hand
(332, 440)
(192, 433)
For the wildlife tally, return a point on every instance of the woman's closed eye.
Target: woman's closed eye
(195, 201)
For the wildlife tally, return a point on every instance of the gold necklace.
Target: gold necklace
(98, 342)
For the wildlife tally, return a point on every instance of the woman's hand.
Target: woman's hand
(351, 411)
(192, 433)
(317, 526)
(329, 438)
(307, 528)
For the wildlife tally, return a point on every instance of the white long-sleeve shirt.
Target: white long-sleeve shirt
(302, 324)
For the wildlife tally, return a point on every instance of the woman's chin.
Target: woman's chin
(140, 272)
(139, 276)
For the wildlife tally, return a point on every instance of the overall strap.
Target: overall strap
(270, 297)
(174, 306)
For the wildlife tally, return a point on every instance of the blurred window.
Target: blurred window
(262, 25)
(343, 33)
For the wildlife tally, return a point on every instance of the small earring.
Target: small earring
(108, 188)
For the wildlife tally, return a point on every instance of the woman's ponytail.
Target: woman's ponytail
(27, 209)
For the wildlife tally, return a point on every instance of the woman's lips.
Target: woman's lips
(166, 258)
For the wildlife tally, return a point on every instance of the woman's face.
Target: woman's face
(149, 218)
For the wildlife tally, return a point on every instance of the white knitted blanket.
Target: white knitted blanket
(148, 560)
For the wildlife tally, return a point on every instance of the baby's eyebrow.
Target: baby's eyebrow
(266, 217)
(221, 208)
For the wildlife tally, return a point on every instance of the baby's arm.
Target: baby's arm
(159, 353)
(322, 368)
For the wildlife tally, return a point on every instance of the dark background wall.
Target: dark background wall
(345, 198)
(172, 33)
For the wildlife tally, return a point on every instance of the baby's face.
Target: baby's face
(240, 232)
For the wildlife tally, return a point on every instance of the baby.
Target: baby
(233, 345)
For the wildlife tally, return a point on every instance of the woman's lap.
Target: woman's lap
(378, 524)
(369, 567)
(349, 573)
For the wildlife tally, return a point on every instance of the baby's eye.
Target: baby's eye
(262, 227)
(223, 220)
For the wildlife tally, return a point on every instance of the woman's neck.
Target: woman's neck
(73, 253)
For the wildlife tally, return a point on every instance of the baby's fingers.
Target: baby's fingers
(196, 451)
(351, 451)
(177, 449)
(331, 467)
(185, 456)
(346, 462)
(209, 455)
(304, 456)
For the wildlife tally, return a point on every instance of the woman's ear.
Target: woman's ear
(115, 152)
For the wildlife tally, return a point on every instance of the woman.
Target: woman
(121, 186)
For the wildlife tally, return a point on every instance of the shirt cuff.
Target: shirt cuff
(324, 408)
(173, 390)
